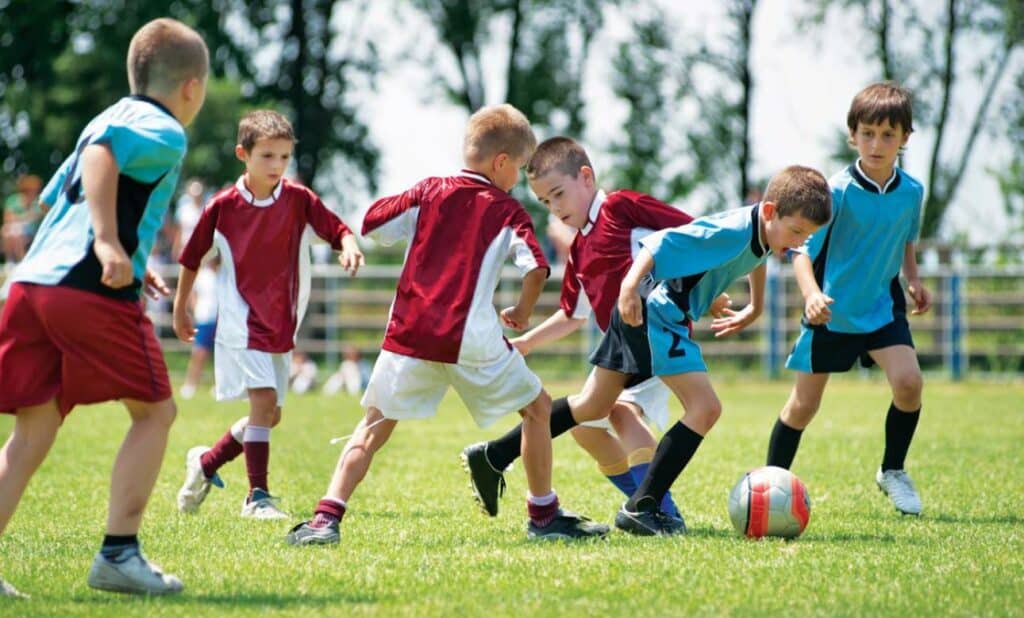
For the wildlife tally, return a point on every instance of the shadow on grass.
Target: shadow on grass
(242, 599)
(854, 537)
(997, 520)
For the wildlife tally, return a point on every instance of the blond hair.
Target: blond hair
(497, 129)
(263, 124)
(557, 154)
(882, 101)
(163, 54)
(800, 190)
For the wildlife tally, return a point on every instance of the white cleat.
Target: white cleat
(897, 485)
(133, 575)
(193, 491)
(10, 592)
(262, 506)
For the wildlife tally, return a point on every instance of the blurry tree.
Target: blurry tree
(954, 57)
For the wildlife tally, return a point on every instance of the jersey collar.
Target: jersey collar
(249, 197)
(154, 102)
(870, 185)
(595, 209)
(757, 246)
(475, 176)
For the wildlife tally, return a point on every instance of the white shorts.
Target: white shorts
(403, 387)
(651, 396)
(235, 371)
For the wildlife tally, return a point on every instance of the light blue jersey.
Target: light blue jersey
(857, 256)
(148, 144)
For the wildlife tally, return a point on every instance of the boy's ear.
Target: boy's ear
(240, 153)
(768, 209)
(500, 160)
(588, 176)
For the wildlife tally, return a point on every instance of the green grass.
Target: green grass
(414, 544)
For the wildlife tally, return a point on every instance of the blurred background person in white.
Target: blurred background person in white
(352, 375)
(204, 308)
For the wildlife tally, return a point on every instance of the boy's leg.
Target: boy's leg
(372, 433)
(264, 414)
(194, 371)
(904, 374)
(609, 453)
(35, 428)
(640, 445)
(803, 403)
(202, 463)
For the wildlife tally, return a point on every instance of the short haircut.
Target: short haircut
(263, 124)
(882, 101)
(497, 129)
(557, 154)
(164, 53)
(800, 190)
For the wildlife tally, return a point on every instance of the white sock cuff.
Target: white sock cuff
(542, 500)
(340, 503)
(257, 434)
(238, 429)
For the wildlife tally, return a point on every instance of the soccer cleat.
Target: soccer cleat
(649, 522)
(193, 491)
(897, 485)
(567, 526)
(133, 574)
(10, 592)
(487, 483)
(261, 505)
(305, 534)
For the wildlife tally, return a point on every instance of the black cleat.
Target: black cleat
(648, 521)
(487, 483)
(305, 534)
(566, 526)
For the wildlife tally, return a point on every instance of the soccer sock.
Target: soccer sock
(899, 431)
(675, 450)
(542, 509)
(783, 444)
(620, 476)
(328, 511)
(257, 456)
(114, 546)
(503, 451)
(227, 448)
(639, 463)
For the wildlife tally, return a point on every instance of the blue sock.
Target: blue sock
(668, 506)
(625, 482)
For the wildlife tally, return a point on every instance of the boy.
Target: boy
(695, 263)
(258, 227)
(856, 261)
(606, 228)
(443, 329)
(73, 330)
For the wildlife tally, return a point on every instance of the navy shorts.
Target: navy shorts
(625, 349)
(205, 332)
(819, 350)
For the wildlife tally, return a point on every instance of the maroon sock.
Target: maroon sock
(226, 449)
(542, 515)
(257, 454)
(327, 512)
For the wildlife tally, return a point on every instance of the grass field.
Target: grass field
(414, 543)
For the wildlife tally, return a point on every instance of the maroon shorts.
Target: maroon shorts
(77, 346)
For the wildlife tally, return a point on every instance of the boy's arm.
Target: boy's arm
(557, 326)
(922, 297)
(816, 302)
(182, 321)
(331, 228)
(630, 304)
(735, 321)
(518, 317)
(391, 219)
(99, 181)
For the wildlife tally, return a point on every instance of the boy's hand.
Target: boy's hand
(182, 323)
(154, 285)
(816, 308)
(719, 306)
(922, 297)
(521, 345)
(734, 321)
(117, 266)
(631, 307)
(515, 318)
(351, 257)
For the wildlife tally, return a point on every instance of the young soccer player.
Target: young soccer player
(73, 330)
(443, 330)
(854, 307)
(607, 228)
(258, 227)
(694, 264)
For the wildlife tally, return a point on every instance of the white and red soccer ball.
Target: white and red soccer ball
(769, 501)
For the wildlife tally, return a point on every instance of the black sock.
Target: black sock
(506, 449)
(113, 545)
(899, 431)
(783, 444)
(674, 451)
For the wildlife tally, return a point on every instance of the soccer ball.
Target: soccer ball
(769, 501)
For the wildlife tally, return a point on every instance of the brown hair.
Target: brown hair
(800, 190)
(882, 101)
(162, 54)
(557, 154)
(495, 129)
(263, 124)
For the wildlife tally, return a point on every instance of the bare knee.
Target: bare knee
(907, 386)
(538, 410)
(163, 413)
(704, 416)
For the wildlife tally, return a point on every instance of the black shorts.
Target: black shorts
(625, 349)
(819, 350)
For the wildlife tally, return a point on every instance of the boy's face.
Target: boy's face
(267, 162)
(505, 171)
(784, 233)
(566, 197)
(878, 145)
